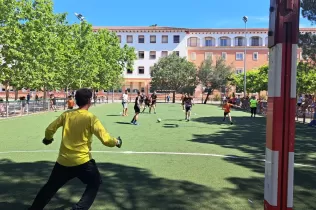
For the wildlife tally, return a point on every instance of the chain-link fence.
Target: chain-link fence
(24, 107)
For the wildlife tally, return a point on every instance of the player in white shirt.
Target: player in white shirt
(125, 103)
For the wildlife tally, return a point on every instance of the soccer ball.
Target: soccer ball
(158, 120)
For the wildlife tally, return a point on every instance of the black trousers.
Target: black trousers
(253, 110)
(88, 173)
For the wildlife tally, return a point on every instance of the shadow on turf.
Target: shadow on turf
(248, 135)
(123, 187)
(123, 123)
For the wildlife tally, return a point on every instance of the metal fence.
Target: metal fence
(21, 108)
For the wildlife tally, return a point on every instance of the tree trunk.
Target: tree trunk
(7, 91)
(66, 98)
(44, 94)
(174, 97)
(206, 99)
(44, 97)
(113, 96)
(16, 94)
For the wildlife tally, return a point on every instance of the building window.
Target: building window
(239, 56)
(193, 56)
(152, 38)
(152, 55)
(141, 70)
(223, 42)
(119, 38)
(141, 54)
(129, 71)
(239, 41)
(164, 38)
(141, 39)
(129, 38)
(255, 41)
(255, 56)
(193, 42)
(209, 42)
(224, 55)
(177, 53)
(176, 39)
(164, 53)
(208, 55)
(239, 70)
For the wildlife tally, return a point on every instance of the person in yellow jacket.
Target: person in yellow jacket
(253, 106)
(74, 159)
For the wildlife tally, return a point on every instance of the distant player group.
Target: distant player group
(141, 102)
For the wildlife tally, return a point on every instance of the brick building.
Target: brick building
(151, 43)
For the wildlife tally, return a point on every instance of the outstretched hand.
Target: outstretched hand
(47, 141)
(119, 142)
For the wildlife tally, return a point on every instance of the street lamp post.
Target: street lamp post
(81, 18)
(245, 19)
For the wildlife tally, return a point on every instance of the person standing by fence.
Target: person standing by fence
(2, 111)
(125, 103)
(253, 106)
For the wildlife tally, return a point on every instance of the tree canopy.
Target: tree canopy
(174, 73)
(257, 80)
(309, 10)
(308, 40)
(214, 76)
(40, 50)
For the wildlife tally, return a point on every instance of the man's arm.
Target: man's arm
(52, 128)
(100, 132)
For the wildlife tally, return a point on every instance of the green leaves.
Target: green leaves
(308, 40)
(257, 80)
(173, 73)
(309, 10)
(214, 76)
(306, 79)
(41, 50)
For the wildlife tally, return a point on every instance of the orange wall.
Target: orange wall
(231, 57)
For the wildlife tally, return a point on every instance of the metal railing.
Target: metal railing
(21, 108)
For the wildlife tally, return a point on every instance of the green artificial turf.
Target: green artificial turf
(157, 181)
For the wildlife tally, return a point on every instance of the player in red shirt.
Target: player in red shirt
(226, 107)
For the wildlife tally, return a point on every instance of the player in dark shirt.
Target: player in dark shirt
(146, 103)
(136, 108)
(188, 102)
(142, 100)
(153, 100)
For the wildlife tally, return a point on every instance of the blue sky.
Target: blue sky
(177, 13)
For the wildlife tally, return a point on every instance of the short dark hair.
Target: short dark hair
(83, 96)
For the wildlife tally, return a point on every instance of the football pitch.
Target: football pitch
(174, 164)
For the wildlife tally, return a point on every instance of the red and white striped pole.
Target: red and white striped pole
(279, 165)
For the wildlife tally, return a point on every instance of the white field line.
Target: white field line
(156, 153)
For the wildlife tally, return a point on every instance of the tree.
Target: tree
(308, 40)
(173, 73)
(214, 77)
(11, 36)
(112, 60)
(309, 10)
(41, 44)
(257, 80)
(306, 78)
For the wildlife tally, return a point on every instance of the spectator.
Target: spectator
(2, 111)
(28, 97)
